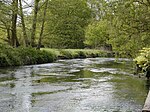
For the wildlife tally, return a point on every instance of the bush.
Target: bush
(4, 61)
(78, 53)
(33, 56)
(8, 56)
(81, 54)
(143, 59)
(23, 56)
(66, 54)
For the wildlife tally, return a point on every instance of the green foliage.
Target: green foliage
(5, 21)
(124, 24)
(67, 20)
(33, 56)
(9, 56)
(23, 56)
(144, 58)
(78, 53)
(130, 22)
(67, 54)
(97, 34)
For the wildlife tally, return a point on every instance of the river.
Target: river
(76, 85)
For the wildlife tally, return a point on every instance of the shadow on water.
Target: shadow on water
(147, 84)
(128, 87)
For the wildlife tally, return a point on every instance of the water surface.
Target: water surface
(77, 85)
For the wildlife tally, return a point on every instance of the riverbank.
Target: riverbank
(78, 53)
(143, 61)
(26, 56)
(23, 56)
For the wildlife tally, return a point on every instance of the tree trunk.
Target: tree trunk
(14, 39)
(8, 31)
(42, 27)
(8, 36)
(23, 24)
(36, 2)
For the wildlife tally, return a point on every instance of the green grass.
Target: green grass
(24, 56)
(10, 56)
(78, 53)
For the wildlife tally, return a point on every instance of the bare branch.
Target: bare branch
(28, 5)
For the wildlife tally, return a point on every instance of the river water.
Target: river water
(76, 85)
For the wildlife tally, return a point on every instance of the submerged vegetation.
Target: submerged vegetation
(42, 31)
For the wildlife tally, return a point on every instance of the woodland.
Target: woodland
(120, 26)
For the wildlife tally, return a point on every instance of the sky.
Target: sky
(30, 3)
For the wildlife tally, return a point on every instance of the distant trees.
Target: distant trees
(5, 22)
(131, 24)
(43, 25)
(64, 28)
(23, 24)
(34, 22)
(14, 38)
(66, 23)
(12, 17)
(127, 26)
(9, 12)
(97, 34)
(122, 24)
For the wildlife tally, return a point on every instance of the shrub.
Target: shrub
(143, 59)
(8, 56)
(66, 54)
(33, 56)
(23, 56)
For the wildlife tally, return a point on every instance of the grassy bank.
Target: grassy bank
(23, 56)
(77, 53)
(26, 56)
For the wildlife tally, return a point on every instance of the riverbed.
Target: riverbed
(74, 85)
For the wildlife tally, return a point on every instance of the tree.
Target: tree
(67, 20)
(14, 38)
(5, 22)
(97, 34)
(23, 24)
(42, 27)
(36, 8)
(100, 8)
(128, 25)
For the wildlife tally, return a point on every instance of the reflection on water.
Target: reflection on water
(77, 85)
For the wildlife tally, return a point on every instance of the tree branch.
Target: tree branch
(141, 2)
(148, 2)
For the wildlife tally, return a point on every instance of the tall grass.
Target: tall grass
(78, 53)
(26, 56)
